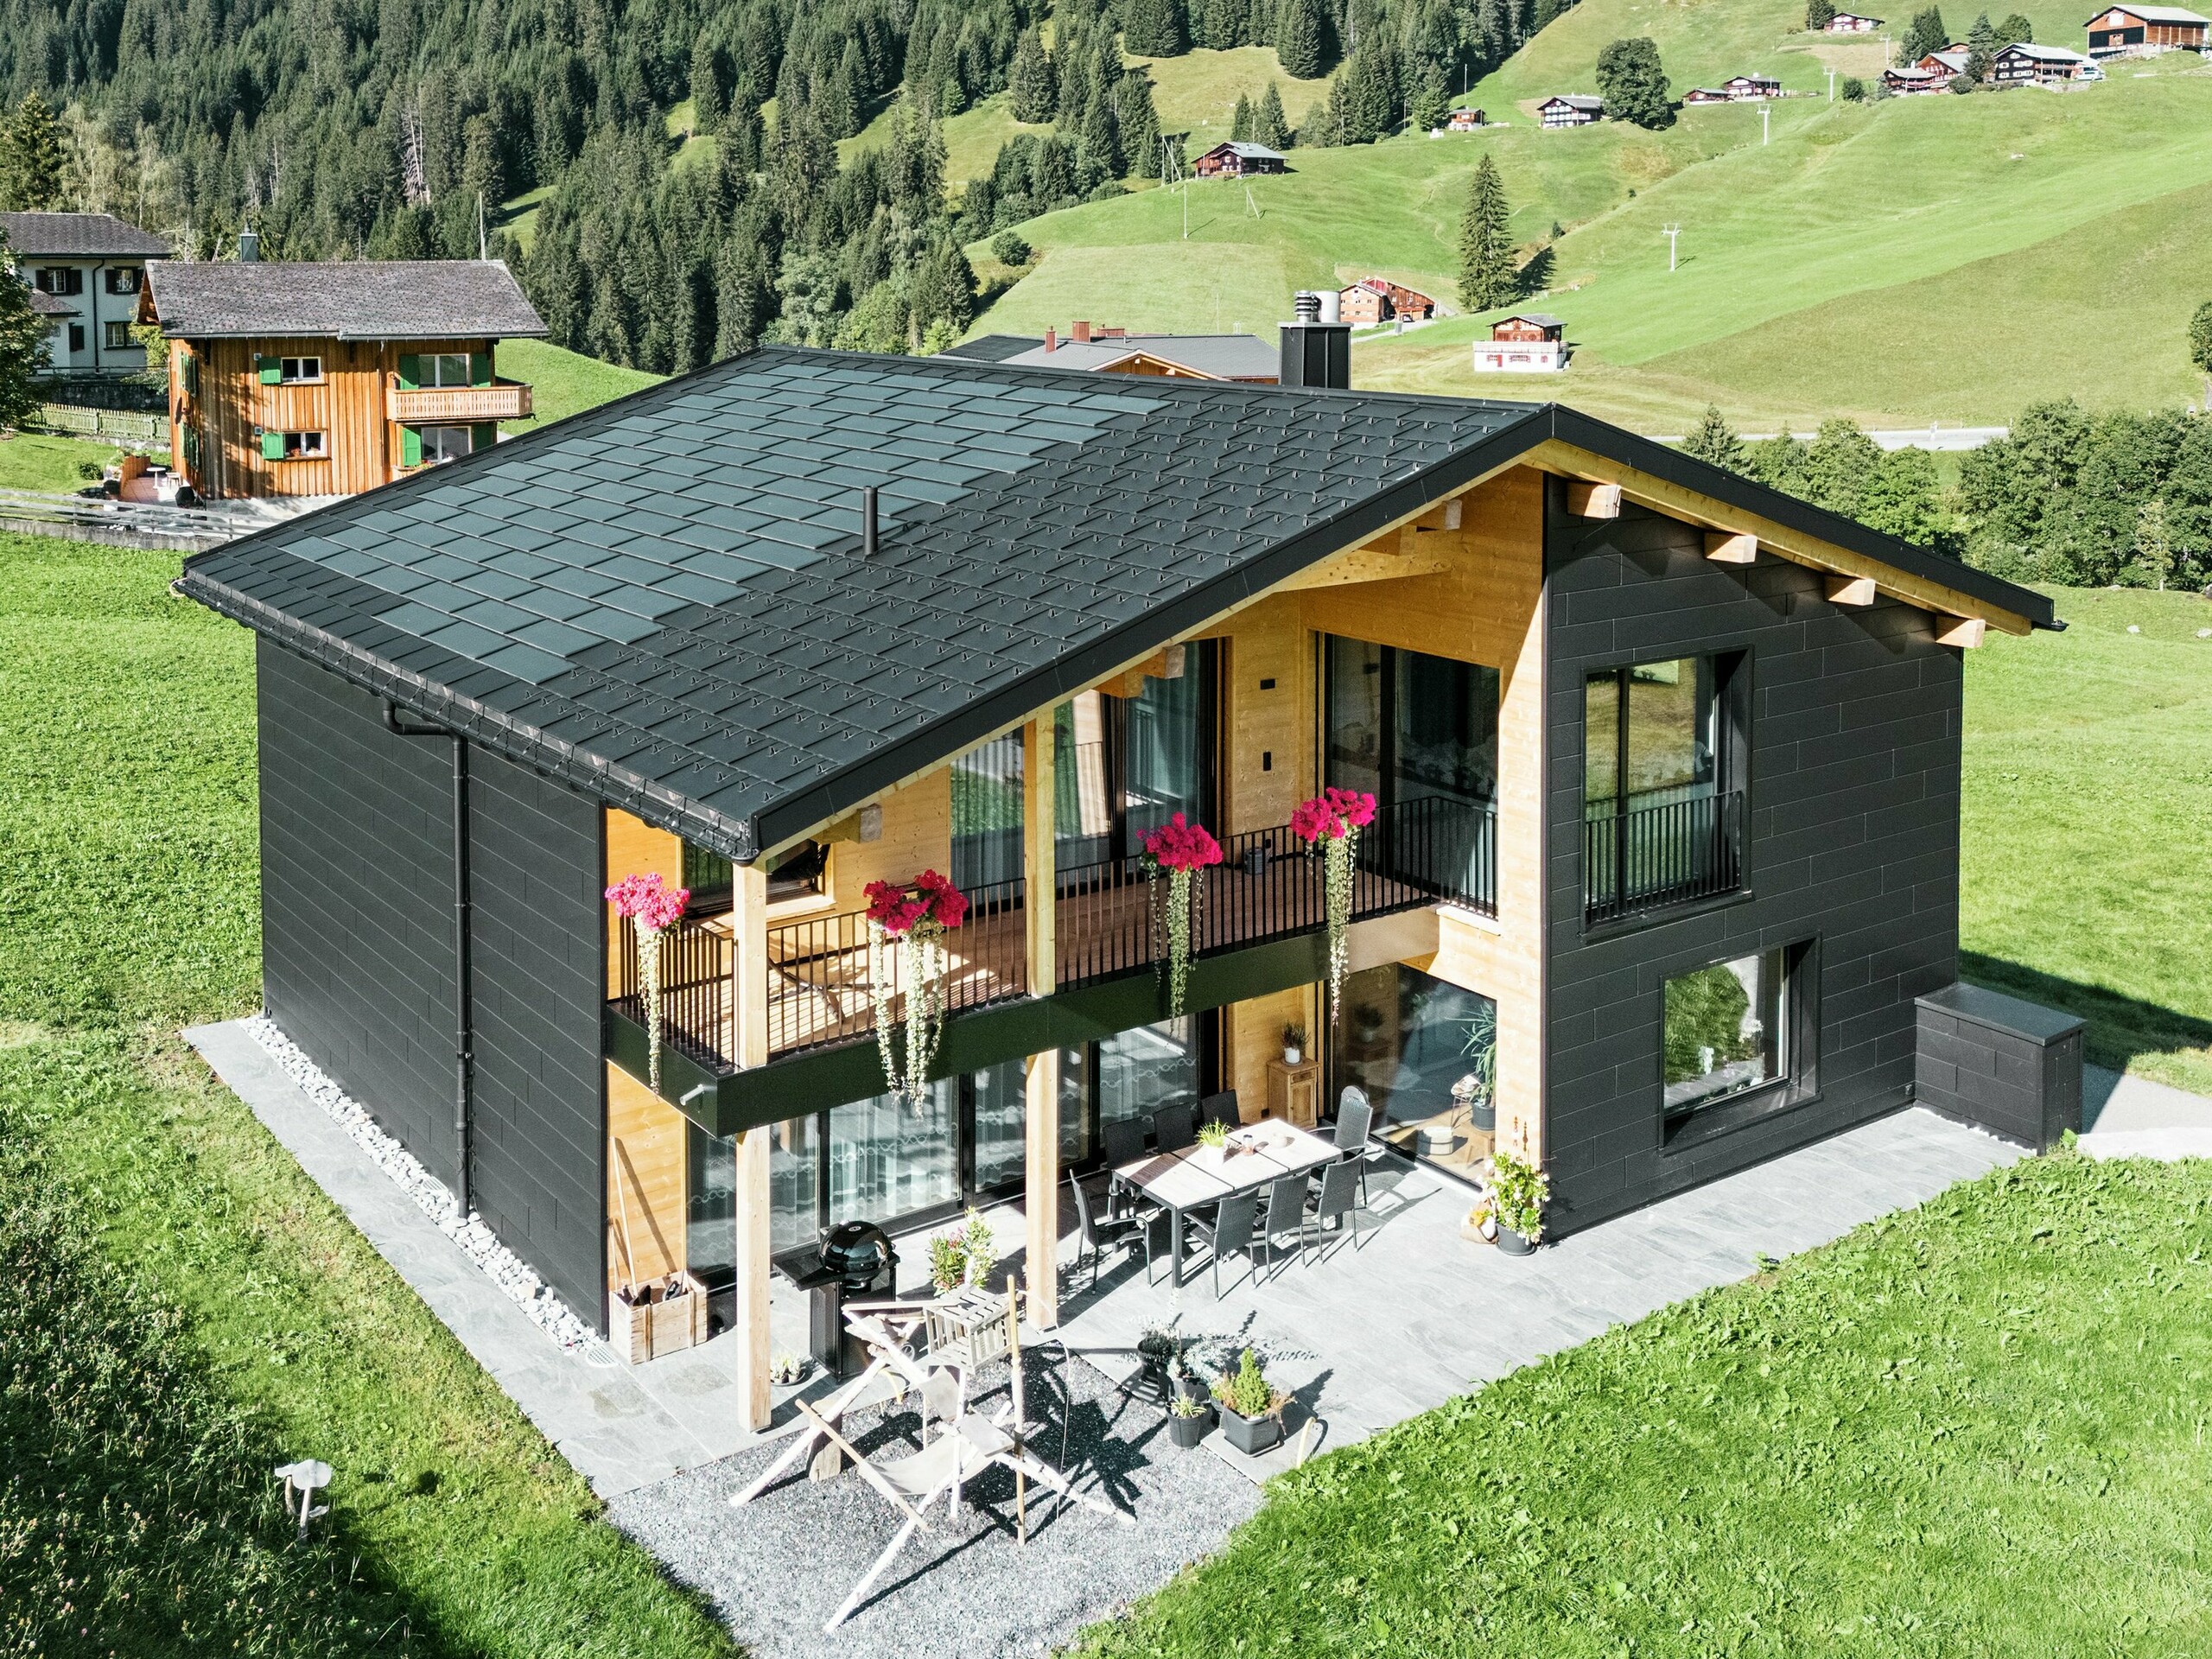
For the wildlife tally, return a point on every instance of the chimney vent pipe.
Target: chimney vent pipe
(867, 521)
(1052, 339)
(1309, 306)
(249, 247)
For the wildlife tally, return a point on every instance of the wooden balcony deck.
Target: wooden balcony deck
(503, 400)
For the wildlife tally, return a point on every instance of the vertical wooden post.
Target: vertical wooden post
(1041, 1104)
(749, 1000)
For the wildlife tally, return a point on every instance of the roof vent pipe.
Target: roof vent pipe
(249, 247)
(1332, 305)
(867, 521)
(1309, 306)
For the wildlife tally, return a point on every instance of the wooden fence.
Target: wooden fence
(118, 425)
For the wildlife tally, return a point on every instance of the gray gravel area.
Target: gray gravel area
(778, 1569)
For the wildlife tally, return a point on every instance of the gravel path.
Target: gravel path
(778, 1569)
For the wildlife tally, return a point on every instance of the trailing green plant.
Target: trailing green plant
(1185, 851)
(1332, 820)
(915, 924)
(1247, 1391)
(1518, 1191)
(651, 907)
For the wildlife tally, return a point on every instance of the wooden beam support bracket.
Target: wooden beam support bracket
(1723, 548)
(1851, 590)
(1588, 500)
(1964, 630)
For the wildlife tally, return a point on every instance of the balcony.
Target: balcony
(1108, 924)
(1663, 853)
(503, 400)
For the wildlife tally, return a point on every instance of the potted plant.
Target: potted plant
(652, 907)
(1293, 1045)
(1185, 851)
(1518, 1191)
(1251, 1408)
(906, 949)
(1213, 1136)
(947, 1263)
(1190, 1418)
(1481, 1225)
(1478, 1090)
(1331, 822)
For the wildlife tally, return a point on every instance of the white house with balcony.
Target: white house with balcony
(84, 271)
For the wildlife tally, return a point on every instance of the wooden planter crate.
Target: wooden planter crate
(665, 1324)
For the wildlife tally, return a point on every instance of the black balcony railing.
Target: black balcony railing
(1650, 856)
(1108, 923)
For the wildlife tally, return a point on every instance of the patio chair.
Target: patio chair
(1123, 1142)
(1339, 1198)
(885, 1329)
(1286, 1211)
(1174, 1127)
(1220, 1108)
(1234, 1227)
(1094, 1237)
(966, 1444)
(1354, 1117)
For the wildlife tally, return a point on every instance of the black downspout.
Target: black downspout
(463, 1014)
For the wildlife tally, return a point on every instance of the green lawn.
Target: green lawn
(202, 1312)
(564, 382)
(34, 460)
(1975, 1428)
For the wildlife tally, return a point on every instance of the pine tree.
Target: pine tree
(1029, 83)
(1981, 47)
(30, 158)
(1299, 39)
(2157, 559)
(1715, 441)
(1138, 122)
(707, 103)
(1819, 14)
(1487, 277)
(2200, 348)
(2015, 30)
(1269, 126)
(1926, 34)
(1430, 106)
(1633, 85)
(24, 343)
(1154, 29)
(1240, 123)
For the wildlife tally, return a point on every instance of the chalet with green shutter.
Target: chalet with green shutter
(330, 379)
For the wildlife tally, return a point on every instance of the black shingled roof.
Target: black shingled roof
(663, 600)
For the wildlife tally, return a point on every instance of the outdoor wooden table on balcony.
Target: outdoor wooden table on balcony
(1179, 1182)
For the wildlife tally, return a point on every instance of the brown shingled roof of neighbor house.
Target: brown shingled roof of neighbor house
(355, 299)
(80, 236)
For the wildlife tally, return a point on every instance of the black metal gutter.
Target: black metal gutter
(464, 1014)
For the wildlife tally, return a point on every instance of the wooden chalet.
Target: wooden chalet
(1705, 95)
(1570, 109)
(1745, 89)
(1464, 121)
(1575, 669)
(1377, 299)
(1850, 23)
(2145, 31)
(2025, 63)
(1097, 350)
(1237, 159)
(331, 378)
(1529, 342)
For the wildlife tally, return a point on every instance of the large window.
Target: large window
(1405, 1039)
(444, 368)
(444, 443)
(1663, 770)
(1734, 1028)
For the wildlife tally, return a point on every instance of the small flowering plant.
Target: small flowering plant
(1185, 851)
(912, 921)
(652, 907)
(1332, 820)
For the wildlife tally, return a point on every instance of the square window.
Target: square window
(295, 370)
(115, 336)
(1730, 1029)
(445, 369)
(123, 279)
(444, 443)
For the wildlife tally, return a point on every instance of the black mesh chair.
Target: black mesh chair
(1123, 1142)
(1220, 1108)
(1339, 1198)
(1096, 1235)
(1286, 1212)
(1174, 1127)
(1355, 1118)
(1232, 1231)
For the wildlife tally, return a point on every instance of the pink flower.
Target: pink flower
(1178, 845)
(946, 903)
(897, 912)
(1332, 814)
(889, 908)
(648, 900)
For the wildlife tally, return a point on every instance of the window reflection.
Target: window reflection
(889, 1156)
(1724, 1031)
(1405, 1040)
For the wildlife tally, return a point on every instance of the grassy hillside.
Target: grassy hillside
(1808, 264)
(1390, 209)
(564, 383)
(1702, 42)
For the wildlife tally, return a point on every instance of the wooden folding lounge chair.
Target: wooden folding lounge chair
(885, 1328)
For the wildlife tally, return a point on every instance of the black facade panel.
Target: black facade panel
(538, 962)
(2011, 1067)
(1852, 844)
(356, 900)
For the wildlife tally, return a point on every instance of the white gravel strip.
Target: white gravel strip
(514, 1276)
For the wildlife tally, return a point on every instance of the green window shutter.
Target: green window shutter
(272, 445)
(411, 447)
(483, 436)
(192, 449)
(270, 369)
(191, 375)
(479, 368)
(410, 373)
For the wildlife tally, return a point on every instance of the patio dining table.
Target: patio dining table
(1179, 1182)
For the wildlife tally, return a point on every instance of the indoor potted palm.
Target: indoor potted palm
(1251, 1408)
(1518, 1192)
(1293, 1045)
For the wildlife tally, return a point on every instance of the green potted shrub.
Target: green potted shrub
(1478, 1090)
(1213, 1136)
(1517, 1194)
(1190, 1419)
(1251, 1408)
